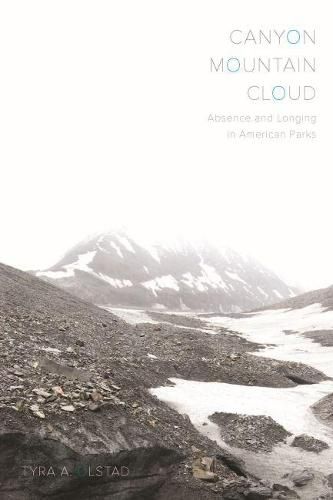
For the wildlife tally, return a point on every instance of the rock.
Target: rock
(20, 405)
(93, 407)
(237, 465)
(15, 387)
(283, 492)
(234, 356)
(297, 378)
(42, 393)
(259, 492)
(37, 412)
(204, 475)
(301, 478)
(115, 400)
(209, 463)
(115, 387)
(51, 399)
(104, 387)
(257, 433)
(96, 396)
(70, 408)
(330, 480)
(323, 409)
(232, 493)
(58, 391)
(204, 468)
(309, 443)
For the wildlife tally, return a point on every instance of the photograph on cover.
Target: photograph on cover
(166, 278)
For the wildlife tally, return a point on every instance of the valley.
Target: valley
(194, 405)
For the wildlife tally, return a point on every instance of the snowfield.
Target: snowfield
(283, 328)
(290, 407)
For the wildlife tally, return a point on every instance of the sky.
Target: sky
(104, 121)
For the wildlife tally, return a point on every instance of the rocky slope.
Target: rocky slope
(115, 269)
(78, 419)
(323, 296)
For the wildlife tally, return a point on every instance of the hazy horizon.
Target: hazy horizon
(171, 239)
(99, 131)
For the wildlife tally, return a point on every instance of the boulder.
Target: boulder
(301, 478)
(282, 491)
(309, 443)
(204, 468)
(259, 493)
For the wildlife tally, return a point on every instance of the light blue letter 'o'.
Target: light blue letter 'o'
(297, 34)
(283, 93)
(228, 65)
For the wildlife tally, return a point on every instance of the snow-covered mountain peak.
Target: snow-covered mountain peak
(119, 269)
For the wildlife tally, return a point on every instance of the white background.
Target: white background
(103, 121)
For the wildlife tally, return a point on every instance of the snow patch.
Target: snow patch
(82, 264)
(270, 327)
(162, 282)
(262, 292)
(236, 277)
(115, 282)
(153, 252)
(117, 249)
(131, 316)
(125, 242)
(288, 406)
(209, 277)
(278, 294)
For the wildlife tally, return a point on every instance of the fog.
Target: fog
(104, 122)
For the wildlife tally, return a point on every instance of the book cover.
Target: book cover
(166, 285)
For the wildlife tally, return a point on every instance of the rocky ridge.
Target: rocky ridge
(117, 269)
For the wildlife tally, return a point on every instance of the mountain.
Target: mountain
(323, 296)
(116, 269)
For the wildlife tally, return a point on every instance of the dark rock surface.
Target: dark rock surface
(73, 393)
(323, 409)
(309, 443)
(74, 383)
(256, 433)
(301, 478)
(329, 479)
(323, 337)
(179, 319)
(283, 492)
(259, 493)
